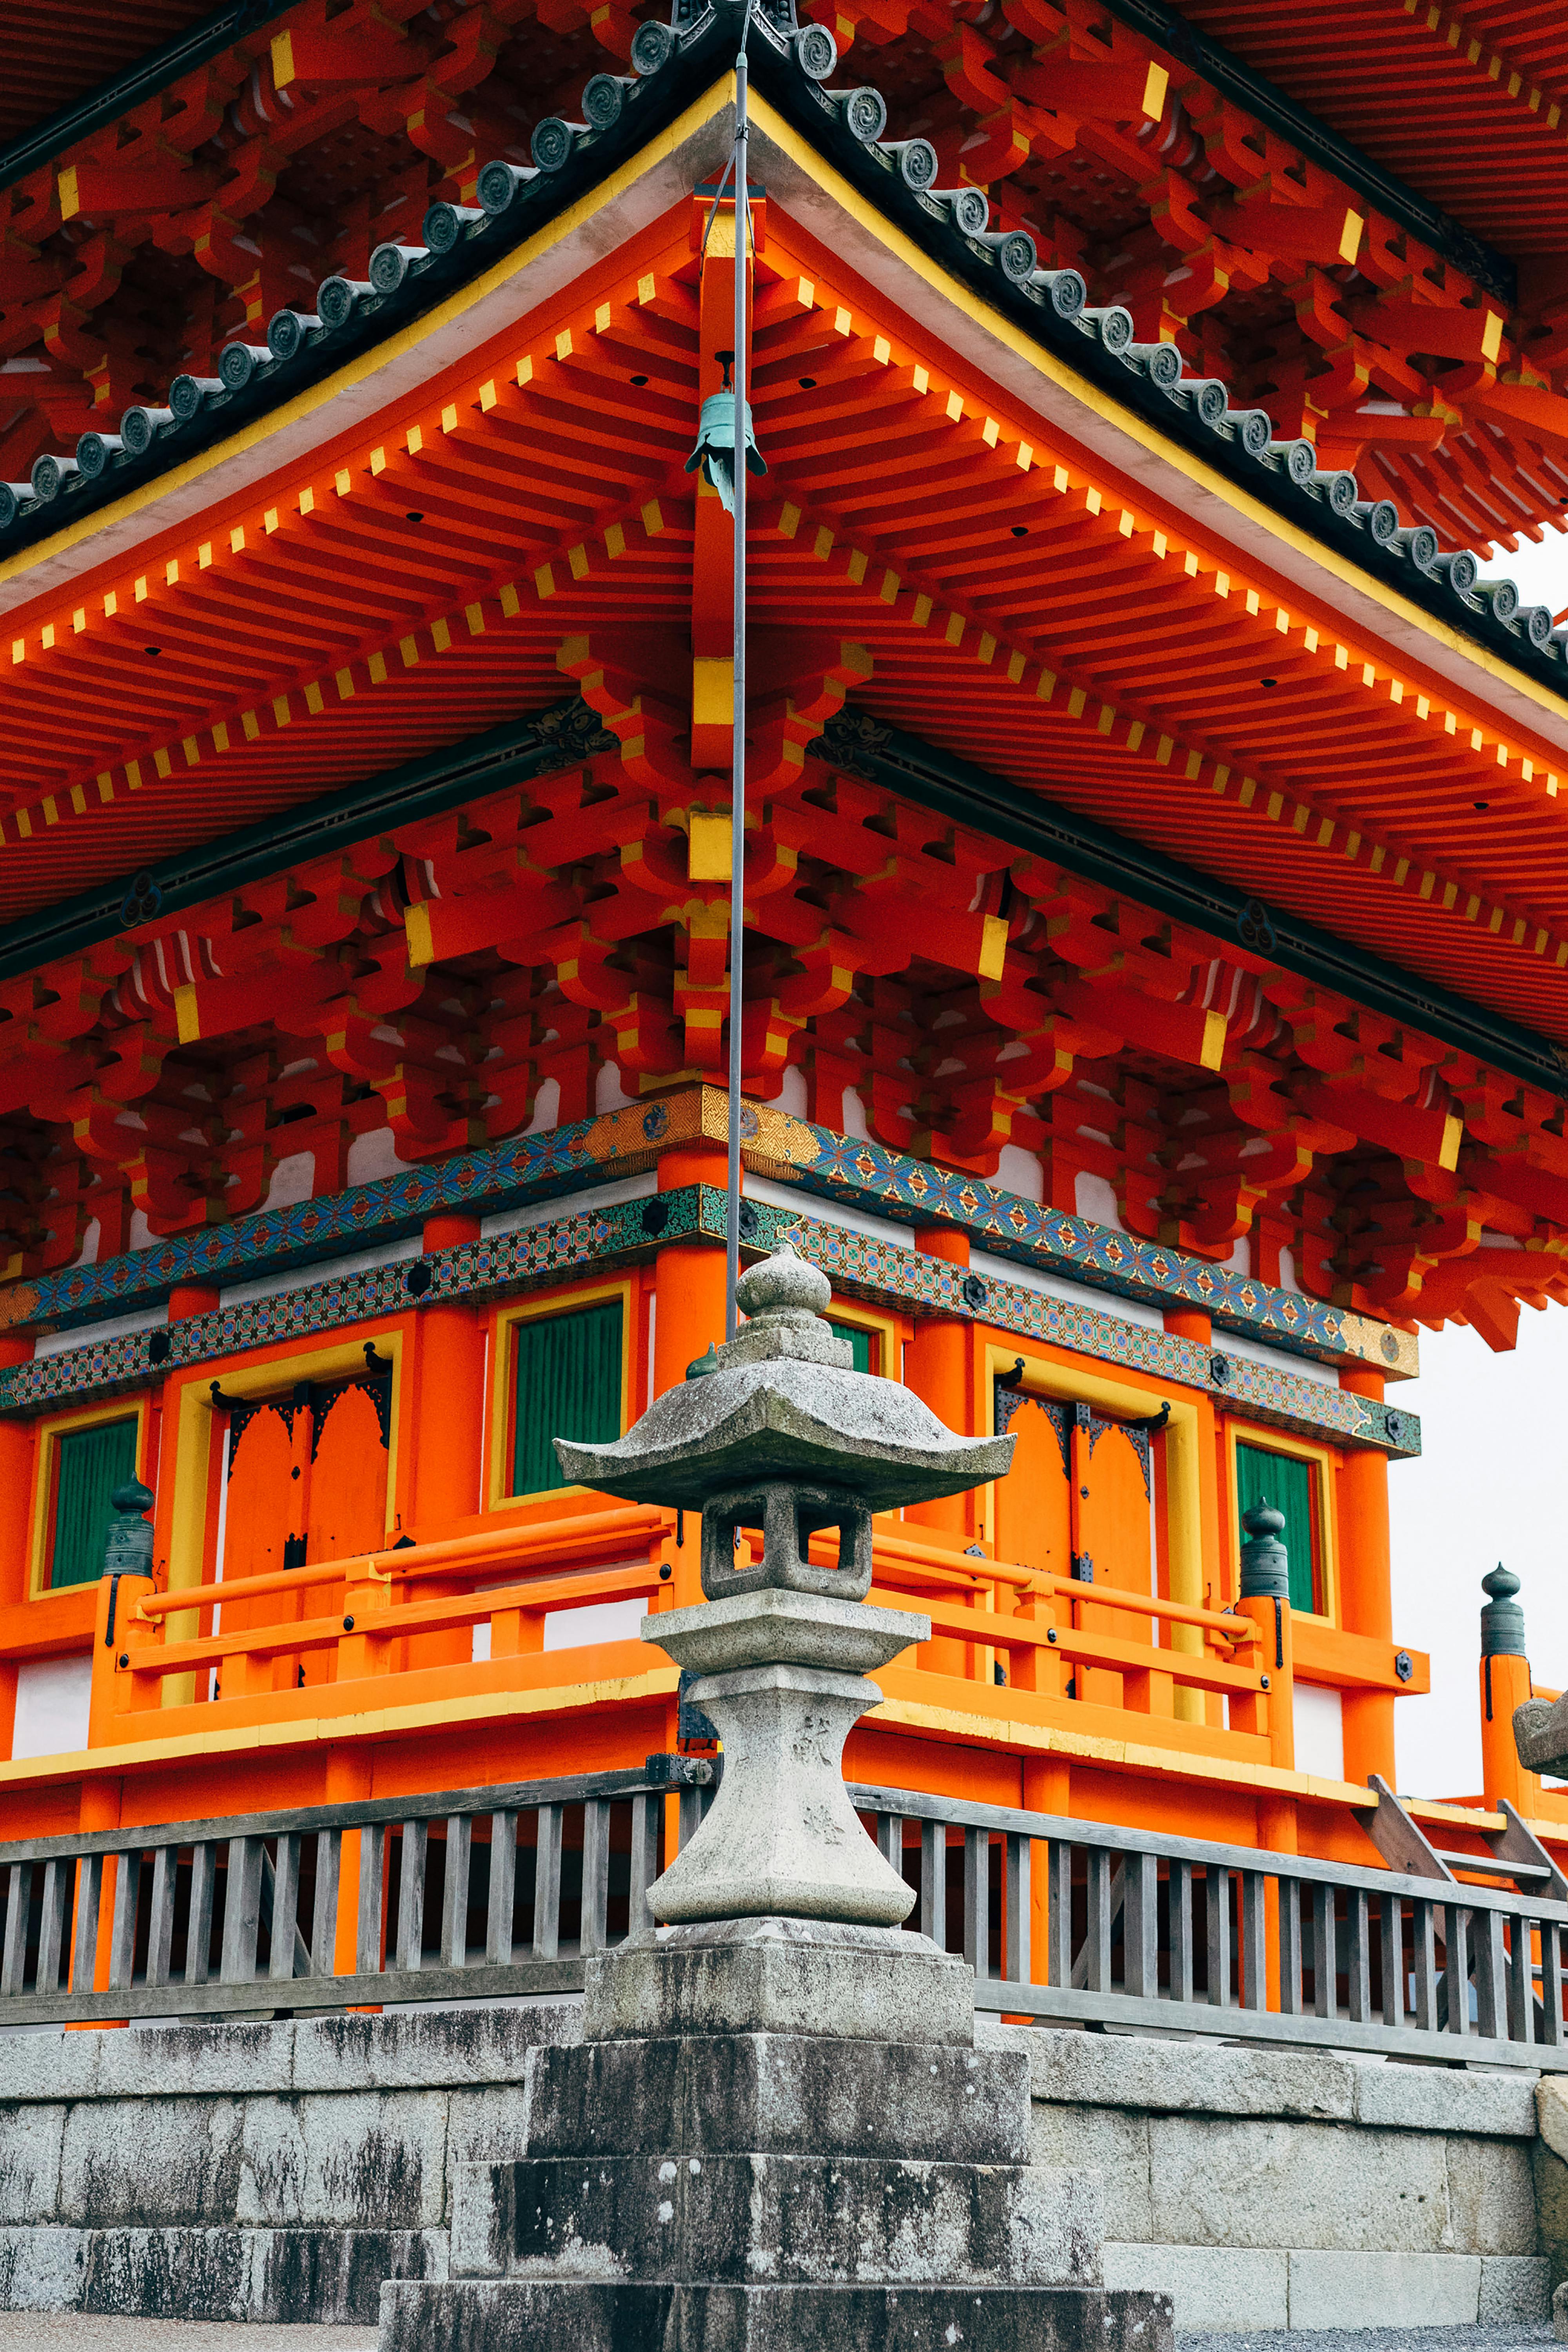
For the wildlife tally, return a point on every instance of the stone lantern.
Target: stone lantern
(777, 2132)
(783, 1434)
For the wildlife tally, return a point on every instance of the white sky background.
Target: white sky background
(1492, 1480)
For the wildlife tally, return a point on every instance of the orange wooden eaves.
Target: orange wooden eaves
(1022, 604)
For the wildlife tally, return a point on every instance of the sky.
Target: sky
(1489, 1484)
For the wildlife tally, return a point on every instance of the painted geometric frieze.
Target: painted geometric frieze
(563, 1160)
(589, 1241)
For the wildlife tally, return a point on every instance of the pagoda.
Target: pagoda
(1151, 1013)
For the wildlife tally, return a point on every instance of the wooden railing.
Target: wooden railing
(492, 1892)
(1086, 1922)
(339, 1906)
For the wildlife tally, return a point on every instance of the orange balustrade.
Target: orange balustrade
(1008, 1640)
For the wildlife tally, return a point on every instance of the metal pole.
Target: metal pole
(738, 755)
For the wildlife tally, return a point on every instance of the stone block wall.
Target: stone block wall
(252, 2171)
(281, 2171)
(1267, 2189)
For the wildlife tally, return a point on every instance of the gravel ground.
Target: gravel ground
(1372, 2339)
(78, 2332)
(73, 2332)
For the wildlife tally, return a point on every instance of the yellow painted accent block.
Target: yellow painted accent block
(713, 695)
(992, 948)
(187, 1014)
(710, 850)
(417, 930)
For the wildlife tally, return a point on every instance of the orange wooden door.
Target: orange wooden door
(307, 1481)
(346, 1511)
(1076, 1503)
(1112, 1533)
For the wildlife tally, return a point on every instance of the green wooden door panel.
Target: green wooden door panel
(88, 1466)
(1290, 1486)
(568, 1385)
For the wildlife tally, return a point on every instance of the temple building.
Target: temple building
(1156, 917)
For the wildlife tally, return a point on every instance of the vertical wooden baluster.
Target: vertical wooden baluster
(1058, 1933)
(161, 1914)
(1424, 1934)
(324, 1910)
(122, 1924)
(1325, 1950)
(647, 1814)
(411, 1894)
(1358, 1955)
(547, 1878)
(88, 1893)
(977, 1900)
(691, 1809)
(1141, 1927)
(1456, 1968)
(1290, 1946)
(1179, 1903)
(284, 1964)
(371, 1882)
(1017, 1861)
(593, 1928)
(1095, 1957)
(1216, 1921)
(890, 1834)
(19, 1900)
(199, 1927)
(1254, 1917)
(1520, 1979)
(503, 1889)
(454, 1890)
(1550, 1983)
(242, 1910)
(1390, 1943)
(58, 1877)
(933, 1883)
(1491, 1974)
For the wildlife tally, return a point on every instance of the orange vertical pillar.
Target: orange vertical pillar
(186, 1299)
(1209, 1581)
(444, 1480)
(688, 1319)
(1047, 1787)
(939, 1367)
(1366, 1591)
(349, 1774)
(98, 1808)
(1505, 1685)
(448, 1397)
(16, 1508)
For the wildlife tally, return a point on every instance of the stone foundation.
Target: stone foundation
(1266, 2189)
(281, 2171)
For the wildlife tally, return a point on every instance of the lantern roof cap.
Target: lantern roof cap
(782, 1400)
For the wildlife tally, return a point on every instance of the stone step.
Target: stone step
(784, 2219)
(291, 2277)
(621, 2315)
(781, 2094)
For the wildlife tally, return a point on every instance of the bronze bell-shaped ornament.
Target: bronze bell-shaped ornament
(715, 450)
(1502, 1619)
(128, 1551)
(1265, 1563)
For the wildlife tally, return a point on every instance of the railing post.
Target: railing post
(367, 1601)
(127, 1579)
(1504, 1684)
(1266, 1599)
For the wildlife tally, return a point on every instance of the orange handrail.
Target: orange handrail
(413, 1617)
(448, 1557)
(1109, 1650)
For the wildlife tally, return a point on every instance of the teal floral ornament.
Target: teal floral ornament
(715, 450)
